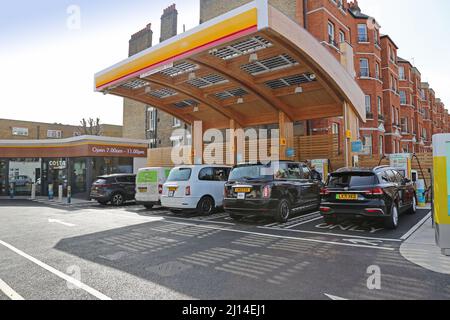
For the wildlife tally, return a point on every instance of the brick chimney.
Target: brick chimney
(141, 40)
(354, 6)
(169, 23)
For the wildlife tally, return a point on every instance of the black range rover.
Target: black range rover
(277, 189)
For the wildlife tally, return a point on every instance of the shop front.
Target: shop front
(72, 162)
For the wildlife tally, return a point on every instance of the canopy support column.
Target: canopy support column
(286, 127)
(197, 142)
(232, 143)
(351, 133)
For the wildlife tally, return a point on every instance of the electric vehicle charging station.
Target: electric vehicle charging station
(322, 167)
(402, 162)
(441, 186)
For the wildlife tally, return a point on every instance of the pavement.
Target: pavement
(422, 250)
(52, 252)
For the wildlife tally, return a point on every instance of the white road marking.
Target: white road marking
(336, 298)
(302, 223)
(296, 218)
(56, 272)
(281, 237)
(196, 220)
(9, 291)
(332, 234)
(61, 222)
(362, 241)
(417, 226)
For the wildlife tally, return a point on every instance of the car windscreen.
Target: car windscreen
(256, 172)
(352, 180)
(179, 174)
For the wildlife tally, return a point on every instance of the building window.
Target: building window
(23, 132)
(335, 128)
(403, 97)
(364, 68)
(341, 36)
(362, 33)
(377, 71)
(368, 104)
(152, 119)
(381, 146)
(376, 37)
(331, 33)
(379, 106)
(401, 73)
(404, 125)
(54, 134)
(367, 143)
(176, 123)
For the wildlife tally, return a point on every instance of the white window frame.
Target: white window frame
(20, 132)
(367, 144)
(361, 68)
(176, 122)
(362, 37)
(331, 31)
(368, 102)
(54, 134)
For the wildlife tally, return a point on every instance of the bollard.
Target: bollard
(69, 194)
(11, 190)
(50, 191)
(60, 193)
(33, 191)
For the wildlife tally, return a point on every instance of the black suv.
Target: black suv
(115, 188)
(277, 189)
(381, 193)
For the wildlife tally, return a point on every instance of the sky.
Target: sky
(51, 49)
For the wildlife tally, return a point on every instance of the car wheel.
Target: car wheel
(330, 220)
(148, 206)
(391, 222)
(413, 209)
(117, 199)
(283, 211)
(206, 206)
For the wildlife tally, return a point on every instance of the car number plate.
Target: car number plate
(242, 190)
(241, 196)
(142, 189)
(349, 196)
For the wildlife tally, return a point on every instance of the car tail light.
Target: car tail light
(267, 190)
(188, 191)
(104, 185)
(160, 188)
(375, 211)
(375, 192)
(325, 209)
(324, 192)
(225, 191)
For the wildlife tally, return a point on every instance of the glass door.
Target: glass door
(3, 177)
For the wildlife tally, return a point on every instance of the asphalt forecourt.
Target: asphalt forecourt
(133, 253)
(309, 226)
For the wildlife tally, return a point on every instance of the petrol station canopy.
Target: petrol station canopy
(247, 66)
